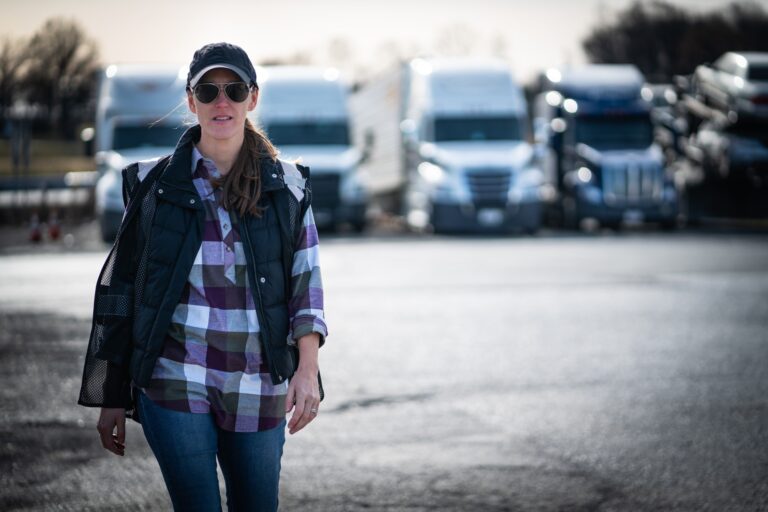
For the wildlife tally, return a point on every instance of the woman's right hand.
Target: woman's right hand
(108, 420)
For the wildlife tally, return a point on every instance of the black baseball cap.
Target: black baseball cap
(221, 55)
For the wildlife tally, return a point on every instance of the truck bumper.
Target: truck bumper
(352, 213)
(466, 218)
(109, 224)
(613, 215)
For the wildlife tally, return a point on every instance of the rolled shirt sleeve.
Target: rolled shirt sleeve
(306, 304)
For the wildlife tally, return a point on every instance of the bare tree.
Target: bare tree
(664, 40)
(11, 60)
(61, 65)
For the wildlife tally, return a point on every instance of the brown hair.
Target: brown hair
(241, 186)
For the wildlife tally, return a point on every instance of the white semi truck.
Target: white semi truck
(450, 139)
(304, 112)
(139, 115)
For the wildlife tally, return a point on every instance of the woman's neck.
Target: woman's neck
(223, 152)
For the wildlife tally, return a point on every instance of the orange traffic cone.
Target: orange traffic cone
(54, 228)
(35, 232)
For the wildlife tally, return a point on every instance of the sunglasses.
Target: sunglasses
(235, 91)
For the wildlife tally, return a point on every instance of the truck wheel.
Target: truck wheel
(108, 236)
(571, 219)
(531, 230)
(669, 224)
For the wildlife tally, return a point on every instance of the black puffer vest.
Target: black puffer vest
(175, 239)
(144, 276)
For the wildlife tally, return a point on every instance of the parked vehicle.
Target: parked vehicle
(304, 112)
(721, 142)
(450, 137)
(726, 150)
(138, 116)
(669, 129)
(595, 122)
(736, 83)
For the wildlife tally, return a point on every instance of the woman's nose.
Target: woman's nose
(222, 97)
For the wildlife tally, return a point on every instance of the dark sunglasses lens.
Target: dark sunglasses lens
(206, 93)
(237, 92)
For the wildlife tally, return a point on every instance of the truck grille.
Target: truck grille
(632, 183)
(489, 187)
(325, 190)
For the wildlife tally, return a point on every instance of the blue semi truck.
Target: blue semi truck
(593, 125)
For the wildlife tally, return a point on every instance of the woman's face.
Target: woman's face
(222, 118)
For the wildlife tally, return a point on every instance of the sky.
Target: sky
(358, 36)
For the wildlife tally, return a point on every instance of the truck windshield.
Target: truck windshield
(127, 137)
(477, 128)
(320, 134)
(759, 73)
(615, 132)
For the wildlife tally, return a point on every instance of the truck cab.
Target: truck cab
(469, 165)
(139, 115)
(595, 125)
(303, 111)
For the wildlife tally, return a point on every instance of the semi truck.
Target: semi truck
(304, 112)
(446, 144)
(140, 114)
(594, 123)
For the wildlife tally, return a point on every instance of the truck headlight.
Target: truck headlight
(352, 189)
(585, 175)
(580, 177)
(526, 185)
(529, 178)
(431, 173)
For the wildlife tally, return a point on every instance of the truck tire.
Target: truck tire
(571, 218)
(357, 226)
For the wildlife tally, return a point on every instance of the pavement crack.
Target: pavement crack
(379, 400)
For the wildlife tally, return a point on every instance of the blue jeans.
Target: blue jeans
(186, 446)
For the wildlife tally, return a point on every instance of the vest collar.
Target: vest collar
(178, 173)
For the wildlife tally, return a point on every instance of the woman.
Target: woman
(209, 309)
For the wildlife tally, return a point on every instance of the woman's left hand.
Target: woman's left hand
(303, 388)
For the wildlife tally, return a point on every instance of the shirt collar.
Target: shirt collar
(207, 162)
(271, 171)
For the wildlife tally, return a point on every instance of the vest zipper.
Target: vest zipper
(255, 285)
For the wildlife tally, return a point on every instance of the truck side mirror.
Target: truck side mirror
(86, 136)
(408, 129)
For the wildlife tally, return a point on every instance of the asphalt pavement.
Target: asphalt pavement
(589, 372)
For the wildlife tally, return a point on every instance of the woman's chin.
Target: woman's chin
(221, 131)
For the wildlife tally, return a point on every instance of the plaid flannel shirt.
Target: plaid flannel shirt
(212, 361)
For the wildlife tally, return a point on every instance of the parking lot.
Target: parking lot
(562, 372)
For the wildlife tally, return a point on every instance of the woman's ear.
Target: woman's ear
(254, 99)
(191, 102)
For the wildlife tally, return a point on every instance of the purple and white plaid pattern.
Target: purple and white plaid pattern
(212, 360)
